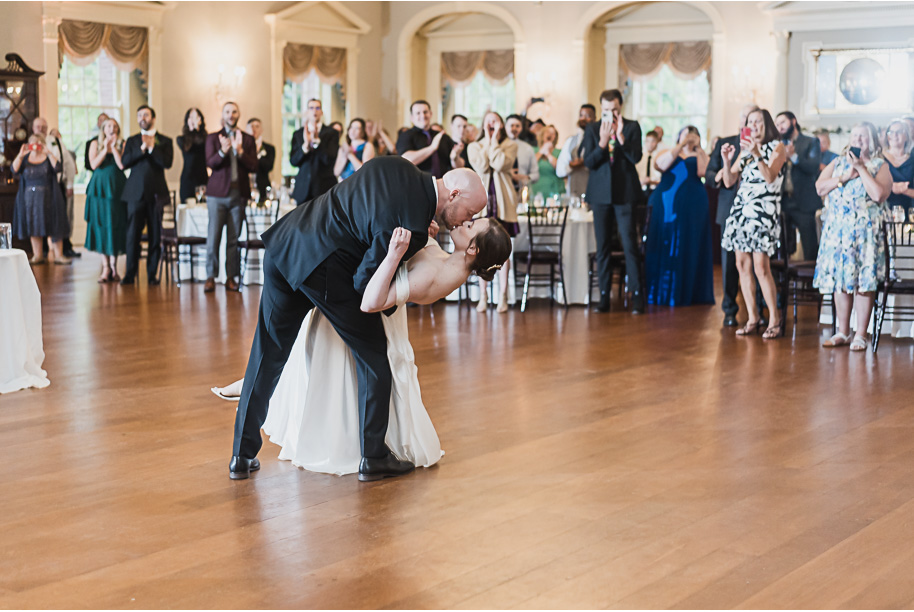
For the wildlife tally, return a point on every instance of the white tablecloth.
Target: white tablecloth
(193, 220)
(21, 346)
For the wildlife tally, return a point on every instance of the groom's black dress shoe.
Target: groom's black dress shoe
(241, 468)
(385, 467)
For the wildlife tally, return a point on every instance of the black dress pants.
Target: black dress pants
(607, 218)
(282, 310)
(805, 223)
(144, 213)
(730, 277)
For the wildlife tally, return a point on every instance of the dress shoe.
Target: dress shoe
(154, 282)
(231, 285)
(241, 468)
(730, 321)
(71, 254)
(210, 285)
(603, 306)
(128, 280)
(637, 304)
(385, 467)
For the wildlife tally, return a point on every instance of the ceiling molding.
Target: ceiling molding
(359, 25)
(819, 16)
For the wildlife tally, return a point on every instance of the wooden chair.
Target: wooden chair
(546, 234)
(898, 241)
(795, 280)
(172, 243)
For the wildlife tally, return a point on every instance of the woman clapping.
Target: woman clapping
(106, 214)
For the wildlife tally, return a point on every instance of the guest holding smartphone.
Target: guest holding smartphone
(192, 143)
(40, 211)
(106, 214)
(753, 228)
(901, 164)
(851, 261)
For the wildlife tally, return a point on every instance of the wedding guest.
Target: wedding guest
(612, 147)
(380, 139)
(66, 177)
(827, 155)
(901, 165)
(851, 261)
(570, 164)
(429, 150)
(355, 151)
(753, 227)
(547, 157)
(231, 154)
(192, 143)
(492, 157)
(336, 125)
(799, 199)
(148, 155)
(647, 170)
(470, 134)
(679, 267)
(106, 217)
(99, 122)
(459, 158)
(659, 131)
(526, 170)
(40, 211)
(726, 195)
(266, 159)
(531, 135)
(314, 150)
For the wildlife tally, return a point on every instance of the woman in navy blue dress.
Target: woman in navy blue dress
(678, 263)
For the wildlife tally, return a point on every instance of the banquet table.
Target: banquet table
(21, 348)
(193, 220)
(579, 242)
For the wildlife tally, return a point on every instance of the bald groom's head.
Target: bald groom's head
(461, 196)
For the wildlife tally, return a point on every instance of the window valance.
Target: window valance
(82, 41)
(686, 59)
(459, 67)
(328, 62)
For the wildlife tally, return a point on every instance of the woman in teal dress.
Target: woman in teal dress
(851, 261)
(106, 214)
(547, 155)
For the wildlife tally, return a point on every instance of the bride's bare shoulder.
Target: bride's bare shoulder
(430, 278)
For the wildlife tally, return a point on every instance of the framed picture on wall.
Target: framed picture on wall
(856, 81)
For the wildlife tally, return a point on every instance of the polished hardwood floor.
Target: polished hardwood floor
(593, 461)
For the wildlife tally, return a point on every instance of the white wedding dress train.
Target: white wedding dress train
(314, 412)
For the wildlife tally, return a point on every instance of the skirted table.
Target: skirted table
(21, 345)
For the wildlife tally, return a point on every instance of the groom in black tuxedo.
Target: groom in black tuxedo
(323, 254)
(148, 155)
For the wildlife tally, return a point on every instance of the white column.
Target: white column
(782, 41)
(718, 113)
(352, 84)
(522, 91)
(611, 76)
(155, 76)
(47, 84)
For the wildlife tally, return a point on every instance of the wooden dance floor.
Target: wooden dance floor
(592, 461)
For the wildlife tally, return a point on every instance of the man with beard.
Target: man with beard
(148, 155)
(570, 164)
(799, 199)
(231, 154)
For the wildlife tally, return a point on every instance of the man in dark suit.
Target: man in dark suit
(726, 195)
(612, 148)
(323, 254)
(431, 150)
(314, 149)
(799, 199)
(266, 158)
(230, 154)
(148, 155)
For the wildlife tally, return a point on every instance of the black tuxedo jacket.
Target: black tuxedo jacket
(726, 195)
(315, 168)
(265, 165)
(355, 220)
(803, 175)
(414, 139)
(147, 170)
(616, 182)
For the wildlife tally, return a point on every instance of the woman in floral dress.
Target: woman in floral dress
(754, 225)
(851, 261)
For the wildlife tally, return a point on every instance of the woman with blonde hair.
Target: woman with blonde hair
(547, 156)
(492, 157)
(851, 260)
(106, 214)
(901, 164)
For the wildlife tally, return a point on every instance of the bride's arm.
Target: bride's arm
(380, 292)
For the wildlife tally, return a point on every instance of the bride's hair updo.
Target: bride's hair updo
(493, 247)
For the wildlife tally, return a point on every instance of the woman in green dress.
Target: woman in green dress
(547, 155)
(106, 214)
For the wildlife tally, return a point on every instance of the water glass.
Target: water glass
(6, 235)
(898, 214)
(255, 196)
(911, 216)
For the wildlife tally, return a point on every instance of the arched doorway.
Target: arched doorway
(451, 27)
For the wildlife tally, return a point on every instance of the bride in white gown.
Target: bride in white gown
(314, 415)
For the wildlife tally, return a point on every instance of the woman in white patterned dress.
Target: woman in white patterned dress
(754, 225)
(851, 261)
(314, 411)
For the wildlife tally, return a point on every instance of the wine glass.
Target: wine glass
(255, 196)
(200, 193)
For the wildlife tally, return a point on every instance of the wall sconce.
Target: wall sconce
(228, 83)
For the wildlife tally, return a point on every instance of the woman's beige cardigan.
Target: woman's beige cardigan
(488, 156)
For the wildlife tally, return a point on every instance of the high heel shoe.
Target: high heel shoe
(749, 329)
(774, 331)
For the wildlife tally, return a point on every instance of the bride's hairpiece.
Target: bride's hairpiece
(495, 267)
